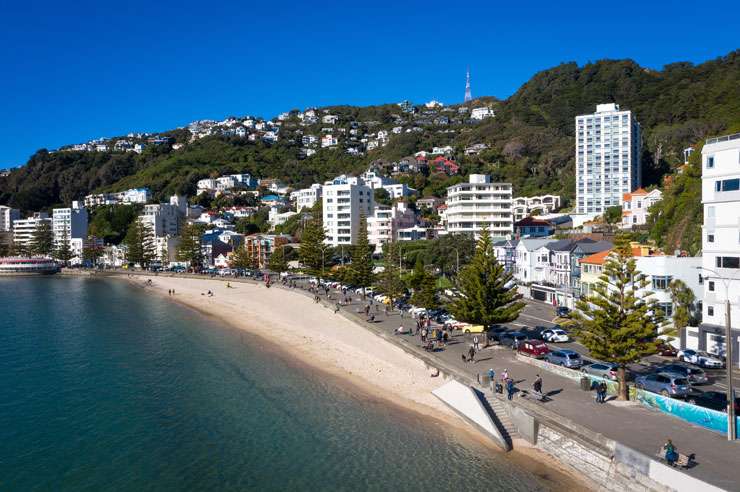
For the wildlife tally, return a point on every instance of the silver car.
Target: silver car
(604, 370)
(566, 358)
(693, 374)
(665, 383)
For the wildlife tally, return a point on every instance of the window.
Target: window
(667, 308)
(661, 283)
(728, 262)
(727, 185)
(711, 286)
(710, 310)
(710, 238)
(710, 162)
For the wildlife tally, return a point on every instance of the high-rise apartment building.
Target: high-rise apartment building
(24, 230)
(7, 216)
(480, 203)
(70, 224)
(607, 158)
(720, 243)
(343, 205)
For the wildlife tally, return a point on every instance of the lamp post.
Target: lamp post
(728, 356)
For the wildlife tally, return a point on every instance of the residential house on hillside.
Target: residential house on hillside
(505, 253)
(542, 205)
(635, 206)
(532, 260)
(533, 227)
(444, 165)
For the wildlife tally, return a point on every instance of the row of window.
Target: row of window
(727, 185)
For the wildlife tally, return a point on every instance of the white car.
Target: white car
(701, 359)
(555, 335)
(417, 311)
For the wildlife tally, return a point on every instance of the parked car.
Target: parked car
(555, 335)
(716, 400)
(417, 311)
(534, 348)
(702, 359)
(453, 324)
(496, 332)
(562, 311)
(473, 328)
(665, 383)
(566, 358)
(667, 350)
(693, 374)
(605, 370)
(509, 337)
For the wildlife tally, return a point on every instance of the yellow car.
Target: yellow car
(474, 329)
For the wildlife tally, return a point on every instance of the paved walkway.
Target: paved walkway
(636, 426)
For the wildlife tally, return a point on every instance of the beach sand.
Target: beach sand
(314, 335)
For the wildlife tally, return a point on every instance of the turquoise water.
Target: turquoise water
(104, 387)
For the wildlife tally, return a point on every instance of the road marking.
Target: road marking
(535, 317)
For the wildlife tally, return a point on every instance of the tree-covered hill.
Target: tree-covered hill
(530, 141)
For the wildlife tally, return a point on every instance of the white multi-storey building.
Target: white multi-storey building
(721, 242)
(524, 206)
(165, 218)
(482, 113)
(607, 158)
(307, 197)
(343, 205)
(480, 203)
(70, 224)
(25, 229)
(384, 225)
(7, 217)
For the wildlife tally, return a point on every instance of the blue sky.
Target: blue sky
(74, 72)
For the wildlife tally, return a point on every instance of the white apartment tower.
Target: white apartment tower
(71, 224)
(480, 203)
(7, 216)
(25, 229)
(607, 158)
(720, 242)
(343, 205)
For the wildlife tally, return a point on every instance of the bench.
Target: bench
(683, 461)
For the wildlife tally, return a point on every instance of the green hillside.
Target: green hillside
(530, 140)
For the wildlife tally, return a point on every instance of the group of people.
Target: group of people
(601, 391)
(171, 292)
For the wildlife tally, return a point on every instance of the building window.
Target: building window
(667, 308)
(728, 262)
(710, 238)
(661, 283)
(710, 162)
(711, 286)
(727, 185)
(710, 310)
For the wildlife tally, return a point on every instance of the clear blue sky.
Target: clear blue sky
(72, 71)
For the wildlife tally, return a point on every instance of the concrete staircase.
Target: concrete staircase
(497, 409)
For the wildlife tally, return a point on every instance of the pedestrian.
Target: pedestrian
(471, 354)
(504, 376)
(476, 343)
(423, 335)
(671, 453)
(429, 322)
(386, 309)
(445, 337)
(509, 388)
(601, 392)
(336, 308)
(367, 310)
(464, 358)
(492, 379)
(537, 385)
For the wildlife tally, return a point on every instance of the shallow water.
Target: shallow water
(106, 387)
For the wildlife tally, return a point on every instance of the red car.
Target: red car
(667, 350)
(533, 348)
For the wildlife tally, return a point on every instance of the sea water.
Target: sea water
(104, 386)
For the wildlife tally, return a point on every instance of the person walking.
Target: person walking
(476, 343)
(509, 389)
(492, 379)
(423, 335)
(601, 392)
(471, 354)
(671, 453)
(537, 385)
(504, 376)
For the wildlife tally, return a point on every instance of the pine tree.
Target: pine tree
(418, 276)
(42, 242)
(426, 294)
(617, 323)
(189, 250)
(132, 240)
(241, 258)
(683, 304)
(91, 251)
(312, 250)
(148, 243)
(361, 269)
(488, 295)
(62, 250)
(276, 262)
(390, 280)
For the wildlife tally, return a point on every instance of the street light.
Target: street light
(728, 355)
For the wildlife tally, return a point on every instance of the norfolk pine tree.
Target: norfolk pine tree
(488, 295)
(42, 241)
(277, 262)
(425, 295)
(311, 252)
(390, 280)
(361, 269)
(241, 258)
(616, 323)
(62, 250)
(189, 250)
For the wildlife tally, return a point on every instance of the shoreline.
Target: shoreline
(353, 357)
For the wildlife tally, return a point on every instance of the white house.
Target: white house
(343, 205)
(543, 204)
(532, 259)
(635, 206)
(482, 113)
(328, 141)
(384, 224)
(480, 203)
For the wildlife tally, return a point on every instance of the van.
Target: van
(534, 348)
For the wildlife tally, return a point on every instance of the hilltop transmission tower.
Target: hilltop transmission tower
(468, 96)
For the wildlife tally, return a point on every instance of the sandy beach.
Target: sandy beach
(314, 335)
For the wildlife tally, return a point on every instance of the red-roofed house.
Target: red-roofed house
(444, 165)
(635, 206)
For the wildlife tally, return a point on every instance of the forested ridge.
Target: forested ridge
(530, 139)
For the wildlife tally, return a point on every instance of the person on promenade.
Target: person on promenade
(445, 337)
(367, 310)
(671, 453)
(423, 335)
(336, 308)
(504, 376)
(537, 385)
(492, 379)
(476, 342)
(601, 392)
(464, 358)
(471, 354)
(509, 388)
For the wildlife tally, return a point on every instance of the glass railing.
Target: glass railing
(724, 138)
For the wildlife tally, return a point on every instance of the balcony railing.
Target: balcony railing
(724, 138)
